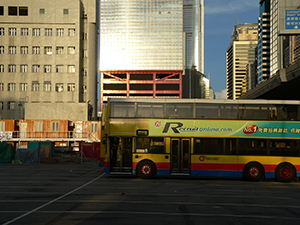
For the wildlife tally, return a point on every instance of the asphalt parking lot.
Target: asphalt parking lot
(82, 194)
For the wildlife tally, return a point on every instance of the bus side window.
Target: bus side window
(252, 147)
(150, 145)
(230, 146)
(212, 146)
(284, 147)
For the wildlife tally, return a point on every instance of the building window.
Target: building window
(71, 87)
(12, 10)
(35, 86)
(59, 50)
(55, 126)
(42, 11)
(12, 68)
(39, 126)
(48, 31)
(59, 69)
(47, 69)
(24, 31)
(47, 86)
(1, 86)
(23, 11)
(71, 68)
(84, 72)
(84, 53)
(1, 10)
(48, 50)
(36, 32)
(84, 89)
(11, 105)
(12, 49)
(35, 68)
(71, 32)
(24, 50)
(94, 127)
(36, 50)
(1, 107)
(71, 50)
(59, 31)
(23, 68)
(11, 87)
(1, 68)
(1, 49)
(23, 86)
(59, 87)
(12, 31)
(2, 31)
(66, 11)
(85, 36)
(2, 124)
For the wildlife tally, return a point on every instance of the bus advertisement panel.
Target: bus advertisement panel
(214, 128)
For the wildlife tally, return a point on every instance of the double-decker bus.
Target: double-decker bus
(250, 139)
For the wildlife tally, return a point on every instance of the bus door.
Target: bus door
(120, 154)
(180, 155)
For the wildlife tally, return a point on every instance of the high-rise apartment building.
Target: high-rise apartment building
(263, 46)
(193, 28)
(240, 53)
(48, 59)
(274, 47)
(141, 48)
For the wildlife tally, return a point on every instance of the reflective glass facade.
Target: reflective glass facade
(193, 27)
(141, 35)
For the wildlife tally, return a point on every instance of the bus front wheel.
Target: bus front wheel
(285, 172)
(253, 172)
(146, 169)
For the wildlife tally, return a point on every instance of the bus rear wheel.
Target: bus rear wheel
(253, 172)
(285, 172)
(146, 169)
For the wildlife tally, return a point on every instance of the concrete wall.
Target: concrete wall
(62, 111)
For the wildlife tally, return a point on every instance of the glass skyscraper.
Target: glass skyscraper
(141, 35)
(193, 28)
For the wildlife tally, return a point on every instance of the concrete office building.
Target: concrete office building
(292, 51)
(240, 53)
(284, 69)
(284, 22)
(250, 79)
(193, 28)
(48, 59)
(141, 49)
(263, 46)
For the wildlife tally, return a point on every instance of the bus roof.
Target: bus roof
(207, 101)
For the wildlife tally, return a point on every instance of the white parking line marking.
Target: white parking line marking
(54, 200)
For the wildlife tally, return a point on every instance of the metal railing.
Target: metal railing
(51, 136)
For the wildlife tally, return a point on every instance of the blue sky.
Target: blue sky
(219, 18)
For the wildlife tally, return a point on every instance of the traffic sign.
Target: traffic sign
(292, 19)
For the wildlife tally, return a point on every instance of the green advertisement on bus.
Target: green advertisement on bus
(214, 128)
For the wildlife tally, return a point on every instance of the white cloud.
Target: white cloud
(229, 6)
(222, 94)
